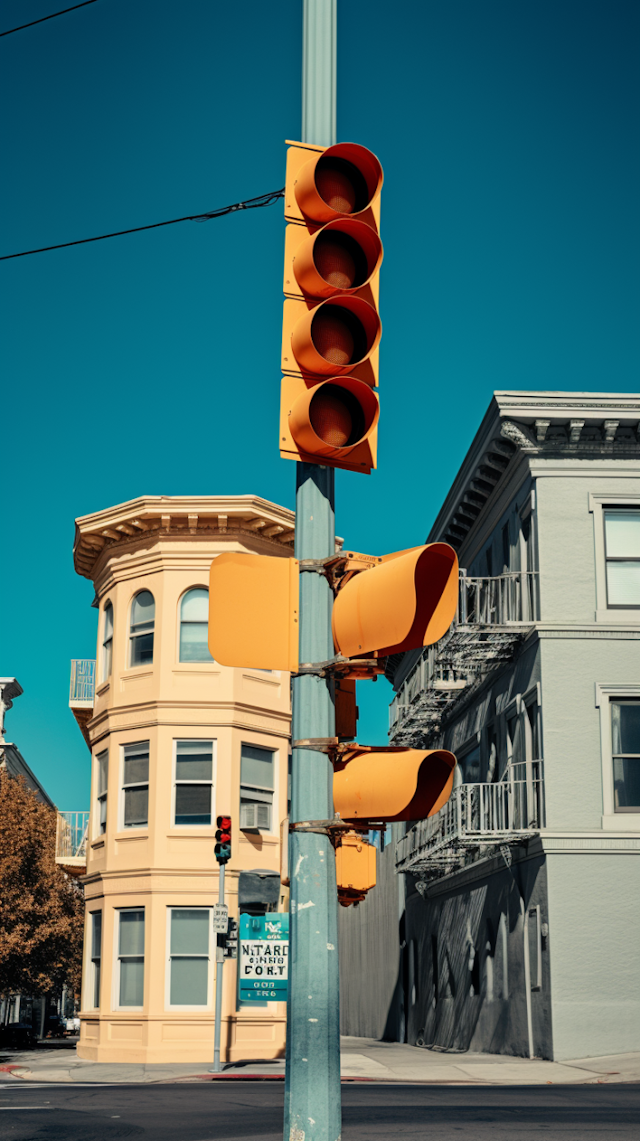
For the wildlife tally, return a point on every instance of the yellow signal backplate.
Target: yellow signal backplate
(361, 459)
(294, 236)
(292, 310)
(297, 155)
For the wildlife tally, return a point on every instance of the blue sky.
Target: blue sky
(148, 364)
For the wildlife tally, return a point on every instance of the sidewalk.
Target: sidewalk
(362, 1059)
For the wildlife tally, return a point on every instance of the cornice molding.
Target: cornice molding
(129, 527)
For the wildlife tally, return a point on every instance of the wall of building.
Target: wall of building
(594, 936)
(467, 989)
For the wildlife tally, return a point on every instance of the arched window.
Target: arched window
(194, 623)
(143, 613)
(107, 641)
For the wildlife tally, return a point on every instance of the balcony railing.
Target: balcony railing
(477, 818)
(71, 838)
(498, 601)
(493, 615)
(83, 683)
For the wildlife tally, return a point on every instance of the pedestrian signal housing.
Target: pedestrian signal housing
(355, 868)
(406, 600)
(331, 324)
(222, 850)
(381, 786)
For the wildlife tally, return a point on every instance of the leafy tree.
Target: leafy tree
(41, 907)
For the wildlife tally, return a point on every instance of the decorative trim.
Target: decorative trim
(604, 692)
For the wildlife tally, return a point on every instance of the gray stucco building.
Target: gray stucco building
(516, 908)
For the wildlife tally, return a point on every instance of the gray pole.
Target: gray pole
(312, 1091)
(219, 968)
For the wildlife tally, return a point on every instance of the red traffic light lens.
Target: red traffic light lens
(224, 822)
(341, 185)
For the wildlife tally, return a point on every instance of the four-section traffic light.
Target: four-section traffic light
(222, 849)
(331, 327)
(385, 606)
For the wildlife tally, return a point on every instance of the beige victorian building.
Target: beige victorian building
(175, 740)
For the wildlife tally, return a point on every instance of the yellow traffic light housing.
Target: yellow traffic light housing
(253, 611)
(379, 786)
(355, 868)
(384, 606)
(331, 327)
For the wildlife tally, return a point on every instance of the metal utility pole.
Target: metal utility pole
(219, 968)
(312, 1090)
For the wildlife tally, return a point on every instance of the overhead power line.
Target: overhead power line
(51, 17)
(250, 204)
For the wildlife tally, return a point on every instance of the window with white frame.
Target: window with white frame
(143, 614)
(194, 626)
(625, 749)
(256, 787)
(131, 957)
(102, 778)
(193, 783)
(135, 785)
(107, 642)
(189, 968)
(622, 556)
(95, 947)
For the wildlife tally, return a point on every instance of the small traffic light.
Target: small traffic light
(386, 606)
(331, 326)
(373, 787)
(222, 849)
(355, 868)
(230, 940)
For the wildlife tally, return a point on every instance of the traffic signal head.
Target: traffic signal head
(331, 326)
(340, 258)
(406, 600)
(343, 180)
(392, 784)
(409, 600)
(334, 420)
(222, 849)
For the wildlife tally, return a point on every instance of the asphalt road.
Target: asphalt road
(233, 1111)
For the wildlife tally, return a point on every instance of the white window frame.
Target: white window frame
(274, 828)
(213, 942)
(597, 505)
(190, 665)
(131, 828)
(89, 985)
(131, 637)
(104, 673)
(202, 828)
(97, 833)
(115, 1003)
(611, 820)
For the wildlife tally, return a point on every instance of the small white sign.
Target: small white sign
(220, 918)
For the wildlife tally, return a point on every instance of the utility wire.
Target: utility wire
(43, 18)
(250, 204)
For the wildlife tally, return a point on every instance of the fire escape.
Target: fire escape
(494, 617)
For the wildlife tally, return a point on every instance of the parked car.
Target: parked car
(17, 1036)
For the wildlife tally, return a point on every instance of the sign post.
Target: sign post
(219, 910)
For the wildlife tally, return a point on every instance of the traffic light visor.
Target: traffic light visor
(337, 335)
(331, 419)
(253, 611)
(341, 181)
(403, 784)
(409, 600)
(340, 257)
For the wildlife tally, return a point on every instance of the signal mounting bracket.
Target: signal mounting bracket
(362, 668)
(338, 569)
(331, 828)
